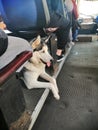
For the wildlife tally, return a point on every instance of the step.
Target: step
(87, 38)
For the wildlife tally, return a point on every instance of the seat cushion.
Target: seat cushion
(15, 47)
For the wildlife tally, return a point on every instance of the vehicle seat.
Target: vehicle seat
(57, 6)
(25, 17)
(17, 53)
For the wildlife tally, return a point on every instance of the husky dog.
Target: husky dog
(35, 67)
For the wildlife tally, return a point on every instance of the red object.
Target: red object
(75, 9)
(14, 65)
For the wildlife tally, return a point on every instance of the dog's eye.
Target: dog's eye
(43, 51)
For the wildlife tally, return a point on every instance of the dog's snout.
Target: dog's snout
(51, 60)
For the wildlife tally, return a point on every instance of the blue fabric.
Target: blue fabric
(56, 5)
(23, 15)
(96, 19)
(19, 13)
(58, 17)
(75, 35)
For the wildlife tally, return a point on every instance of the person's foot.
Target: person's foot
(2, 25)
(60, 55)
(72, 43)
(60, 58)
(76, 40)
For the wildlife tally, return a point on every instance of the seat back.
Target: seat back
(57, 6)
(24, 15)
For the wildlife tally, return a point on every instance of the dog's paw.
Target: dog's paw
(54, 91)
(57, 97)
(56, 88)
(55, 85)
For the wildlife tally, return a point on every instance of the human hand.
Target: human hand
(2, 25)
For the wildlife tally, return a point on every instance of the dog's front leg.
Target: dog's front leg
(50, 79)
(38, 84)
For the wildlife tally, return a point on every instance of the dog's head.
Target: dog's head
(41, 51)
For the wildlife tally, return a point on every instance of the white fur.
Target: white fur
(36, 68)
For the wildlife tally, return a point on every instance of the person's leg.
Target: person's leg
(70, 32)
(73, 28)
(63, 26)
(62, 38)
(73, 33)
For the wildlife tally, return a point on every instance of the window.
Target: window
(88, 8)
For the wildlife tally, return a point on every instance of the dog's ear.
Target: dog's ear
(37, 42)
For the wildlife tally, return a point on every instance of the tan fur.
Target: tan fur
(36, 42)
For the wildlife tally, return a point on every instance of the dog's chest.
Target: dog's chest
(39, 67)
(35, 72)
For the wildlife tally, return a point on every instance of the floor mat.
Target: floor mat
(78, 85)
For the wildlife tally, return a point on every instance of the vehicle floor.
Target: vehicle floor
(77, 108)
